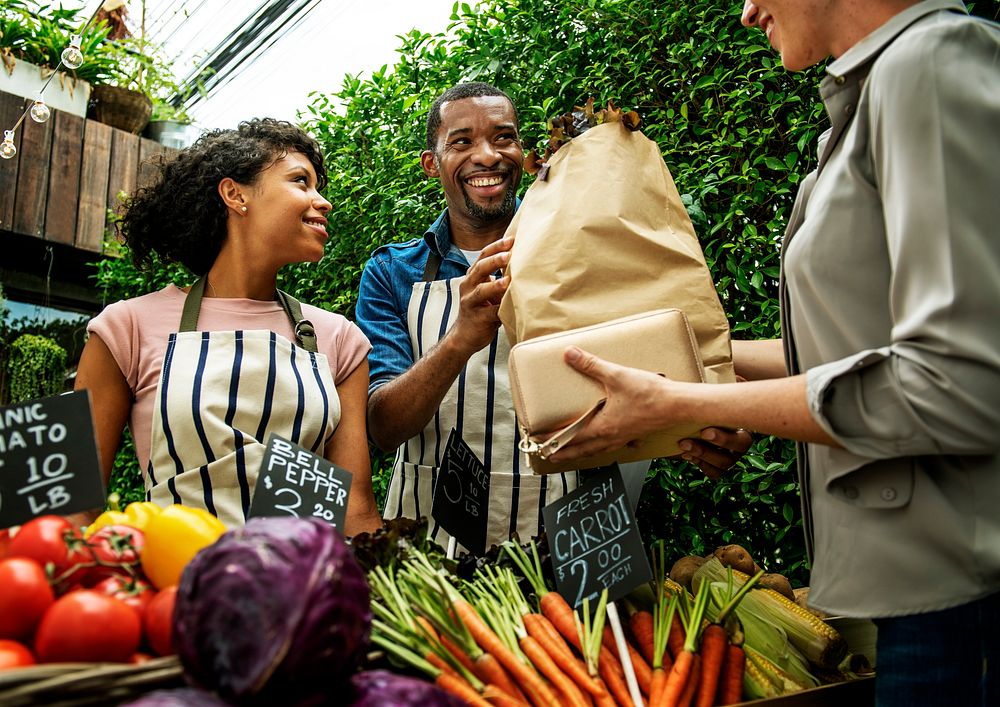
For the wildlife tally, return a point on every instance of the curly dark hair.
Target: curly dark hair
(181, 217)
(473, 89)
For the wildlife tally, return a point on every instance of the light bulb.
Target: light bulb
(7, 149)
(72, 57)
(39, 111)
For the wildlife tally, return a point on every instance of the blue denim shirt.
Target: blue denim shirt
(384, 296)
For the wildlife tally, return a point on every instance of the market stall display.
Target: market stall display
(281, 609)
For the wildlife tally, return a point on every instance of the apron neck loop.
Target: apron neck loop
(432, 267)
(305, 333)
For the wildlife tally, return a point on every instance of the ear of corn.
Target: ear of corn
(819, 642)
(783, 681)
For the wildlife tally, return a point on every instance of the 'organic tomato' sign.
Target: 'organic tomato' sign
(294, 481)
(594, 541)
(48, 459)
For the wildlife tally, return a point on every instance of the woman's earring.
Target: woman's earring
(243, 209)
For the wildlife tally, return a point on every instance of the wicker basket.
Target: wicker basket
(120, 108)
(79, 684)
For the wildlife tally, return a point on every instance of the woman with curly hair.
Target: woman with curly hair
(203, 375)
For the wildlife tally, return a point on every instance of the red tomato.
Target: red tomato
(53, 539)
(116, 550)
(14, 655)
(87, 626)
(133, 591)
(5, 536)
(25, 594)
(158, 621)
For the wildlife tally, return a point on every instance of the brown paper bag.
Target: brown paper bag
(604, 236)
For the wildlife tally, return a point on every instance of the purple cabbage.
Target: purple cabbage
(275, 612)
(380, 688)
(180, 697)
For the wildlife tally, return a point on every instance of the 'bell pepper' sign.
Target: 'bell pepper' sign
(594, 540)
(48, 459)
(294, 481)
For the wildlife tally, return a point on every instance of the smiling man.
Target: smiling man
(438, 359)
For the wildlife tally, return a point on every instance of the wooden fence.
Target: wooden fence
(66, 174)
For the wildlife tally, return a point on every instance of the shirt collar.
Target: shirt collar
(438, 236)
(862, 52)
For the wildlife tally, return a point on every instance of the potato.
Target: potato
(779, 583)
(802, 599)
(684, 569)
(736, 557)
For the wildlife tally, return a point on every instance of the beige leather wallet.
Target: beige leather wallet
(553, 402)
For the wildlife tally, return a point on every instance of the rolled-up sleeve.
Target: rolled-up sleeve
(935, 142)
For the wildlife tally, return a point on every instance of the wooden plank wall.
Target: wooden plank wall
(67, 174)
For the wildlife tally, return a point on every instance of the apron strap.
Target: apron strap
(305, 333)
(431, 267)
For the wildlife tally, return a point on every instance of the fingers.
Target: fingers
(586, 363)
(737, 441)
(502, 245)
(717, 450)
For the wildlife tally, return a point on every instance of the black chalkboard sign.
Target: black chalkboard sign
(294, 481)
(594, 540)
(48, 459)
(462, 495)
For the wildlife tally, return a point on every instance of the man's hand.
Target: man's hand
(717, 450)
(480, 297)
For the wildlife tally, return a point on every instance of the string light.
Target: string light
(7, 149)
(39, 112)
(71, 58)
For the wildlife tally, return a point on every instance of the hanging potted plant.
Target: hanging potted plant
(33, 37)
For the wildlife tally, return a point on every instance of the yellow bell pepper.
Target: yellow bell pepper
(173, 537)
(140, 513)
(106, 518)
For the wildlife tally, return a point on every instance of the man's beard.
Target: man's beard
(489, 214)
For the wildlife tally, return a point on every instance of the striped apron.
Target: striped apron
(220, 396)
(479, 406)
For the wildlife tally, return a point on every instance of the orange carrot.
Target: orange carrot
(488, 669)
(692, 683)
(677, 680)
(656, 687)
(712, 651)
(641, 625)
(731, 681)
(528, 679)
(675, 643)
(541, 630)
(558, 611)
(607, 700)
(460, 655)
(458, 687)
(643, 673)
(495, 696)
(544, 663)
(439, 663)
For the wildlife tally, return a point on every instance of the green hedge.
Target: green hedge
(736, 130)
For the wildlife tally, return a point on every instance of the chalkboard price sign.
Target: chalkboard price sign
(294, 481)
(594, 540)
(48, 459)
(462, 495)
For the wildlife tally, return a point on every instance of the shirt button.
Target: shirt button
(849, 109)
(888, 494)
(851, 492)
(839, 80)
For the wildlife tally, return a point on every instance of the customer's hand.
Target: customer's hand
(717, 450)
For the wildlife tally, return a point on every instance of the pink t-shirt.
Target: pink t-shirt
(136, 332)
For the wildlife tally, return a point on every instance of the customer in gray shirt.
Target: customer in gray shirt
(890, 373)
